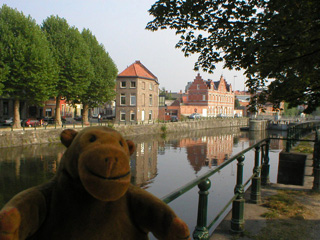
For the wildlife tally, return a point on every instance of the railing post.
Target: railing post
(237, 221)
(255, 195)
(316, 164)
(265, 168)
(288, 143)
(201, 232)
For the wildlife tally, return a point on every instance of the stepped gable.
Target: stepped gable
(137, 70)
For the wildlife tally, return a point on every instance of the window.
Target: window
(198, 86)
(48, 112)
(5, 108)
(133, 84)
(123, 99)
(132, 99)
(123, 84)
(150, 99)
(150, 115)
(122, 116)
(150, 86)
(143, 99)
(203, 97)
(132, 116)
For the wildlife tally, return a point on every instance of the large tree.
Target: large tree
(277, 41)
(102, 82)
(26, 65)
(72, 56)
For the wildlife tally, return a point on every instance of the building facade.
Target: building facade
(209, 98)
(137, 98)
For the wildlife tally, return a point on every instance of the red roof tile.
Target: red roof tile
(137, 69)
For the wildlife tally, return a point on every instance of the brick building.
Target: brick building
(137, 97)
(208, 98)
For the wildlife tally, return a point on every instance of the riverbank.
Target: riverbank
(285, 212)
(20, 137)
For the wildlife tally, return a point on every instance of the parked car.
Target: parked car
(78, 118)
(195, 116)
(32, 122)
(7, 122)
(109, 117)
(50, 120)
(95, 115)
(174, 119)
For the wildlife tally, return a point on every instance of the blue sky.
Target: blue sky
(120, 26)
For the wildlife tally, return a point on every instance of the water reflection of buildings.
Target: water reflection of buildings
(144, 163)
(207, 151)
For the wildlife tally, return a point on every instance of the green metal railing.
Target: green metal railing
(237, 223)
(259, 177)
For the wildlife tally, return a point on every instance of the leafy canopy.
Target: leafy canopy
(269, 39)
(102, 82)
(27, 69)
(72, 56)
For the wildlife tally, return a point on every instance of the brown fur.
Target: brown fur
(90, 197)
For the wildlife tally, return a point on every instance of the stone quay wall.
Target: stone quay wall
(19, 137)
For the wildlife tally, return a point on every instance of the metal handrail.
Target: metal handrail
(203, 182)
(180, 191)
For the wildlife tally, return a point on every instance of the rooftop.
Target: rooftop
(138, 70)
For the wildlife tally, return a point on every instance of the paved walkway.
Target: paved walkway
(254, 223)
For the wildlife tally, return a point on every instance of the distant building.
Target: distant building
(137, 97)
(208, 98)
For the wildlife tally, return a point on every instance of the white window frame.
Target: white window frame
(150, 99)
(133, 96)
(123, 83)
(134, 84)
(132, 113)
(122, 113)
(122, 96)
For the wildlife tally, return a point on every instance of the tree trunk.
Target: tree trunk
(85, 113)
(57, 118)
(16, 114)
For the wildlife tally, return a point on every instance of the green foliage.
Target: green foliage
(72, 56)
(236, 103)
(102, 82)
(290, 111)
(269, 39)
(27, 69)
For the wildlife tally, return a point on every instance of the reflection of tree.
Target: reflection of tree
(24, 167)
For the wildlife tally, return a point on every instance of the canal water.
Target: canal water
(160, 165)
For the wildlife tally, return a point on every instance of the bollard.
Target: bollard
(316, 164)
(201, 231)
(265, 168)
(255, 195)
(237, 221)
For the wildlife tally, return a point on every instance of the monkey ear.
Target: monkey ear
(131, 146)
(67, 136)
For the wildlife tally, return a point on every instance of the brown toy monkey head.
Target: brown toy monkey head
(99, 157)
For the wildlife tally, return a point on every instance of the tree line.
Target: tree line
(53, 59)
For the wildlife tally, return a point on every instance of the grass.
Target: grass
(285, 219)
(284, 204)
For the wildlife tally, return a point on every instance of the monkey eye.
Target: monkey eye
(93, 138)
(121, 143)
